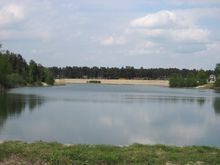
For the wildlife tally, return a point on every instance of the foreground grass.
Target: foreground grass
(54, 153)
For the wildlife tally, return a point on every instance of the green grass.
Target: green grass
(55, 153)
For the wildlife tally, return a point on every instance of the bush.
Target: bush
(94, 81)
(190, 81)
(217, 83)
(201, 77)
(176, 81)
(49, 79)
(15, 80)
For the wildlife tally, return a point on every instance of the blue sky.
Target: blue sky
(148, 33)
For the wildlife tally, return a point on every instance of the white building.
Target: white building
(212, 77)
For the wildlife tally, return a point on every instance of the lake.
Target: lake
(111, 114)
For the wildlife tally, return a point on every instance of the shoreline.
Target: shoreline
(164, 83)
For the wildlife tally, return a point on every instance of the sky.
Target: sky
(113, 33)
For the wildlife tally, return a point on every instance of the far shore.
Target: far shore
(114, 82)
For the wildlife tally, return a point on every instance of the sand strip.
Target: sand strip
(113, 81)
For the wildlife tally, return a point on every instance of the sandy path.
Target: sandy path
(113, 81)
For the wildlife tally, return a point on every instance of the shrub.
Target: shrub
(15, 80)
(176, 81)
(94, 81)
(217, 82)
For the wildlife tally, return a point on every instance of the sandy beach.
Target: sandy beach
(114, 81)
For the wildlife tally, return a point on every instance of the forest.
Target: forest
(127, 72)
(177, 77)
(195, 79)
(15, 71)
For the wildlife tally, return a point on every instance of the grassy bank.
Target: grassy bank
(54, 153)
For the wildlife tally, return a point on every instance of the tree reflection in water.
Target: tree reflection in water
(216, 105)
(175, 99)
(12, 105)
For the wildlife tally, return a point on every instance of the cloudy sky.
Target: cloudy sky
(148, 33)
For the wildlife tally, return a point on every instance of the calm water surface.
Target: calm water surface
(111, 114)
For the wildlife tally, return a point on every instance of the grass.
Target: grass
(16, 152)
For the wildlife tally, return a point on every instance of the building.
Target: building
(212, 78)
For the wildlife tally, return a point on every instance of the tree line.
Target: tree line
(15, 71)
(127, 72)
(195, 79)
(191, 80)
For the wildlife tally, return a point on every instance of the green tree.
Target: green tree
(190, 80)
(14, 80)
(217, 74)
(4, 70)
(40, 73)
(48, 77)
(176, 81)
(33, 72)
(217, 69)
(201, 77)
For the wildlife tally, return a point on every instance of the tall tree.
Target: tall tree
(202, 77)
(48, 77)
(4, 70)
(33, 72)
(217, 70)
(217, 74)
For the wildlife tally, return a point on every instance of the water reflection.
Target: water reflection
(165, 99)
(111, 115)
(216, 105)
(12, 105)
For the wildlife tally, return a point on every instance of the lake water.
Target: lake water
(111, 114)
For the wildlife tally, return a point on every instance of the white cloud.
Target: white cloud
(191, 35)
(162, 19)
(110, 30)
(149, 44)
(12, 16)
(107, 41)
(172, 31)
(195, 1)
(110, 40)
(11, 13)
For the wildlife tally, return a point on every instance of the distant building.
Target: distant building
(212, 77)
